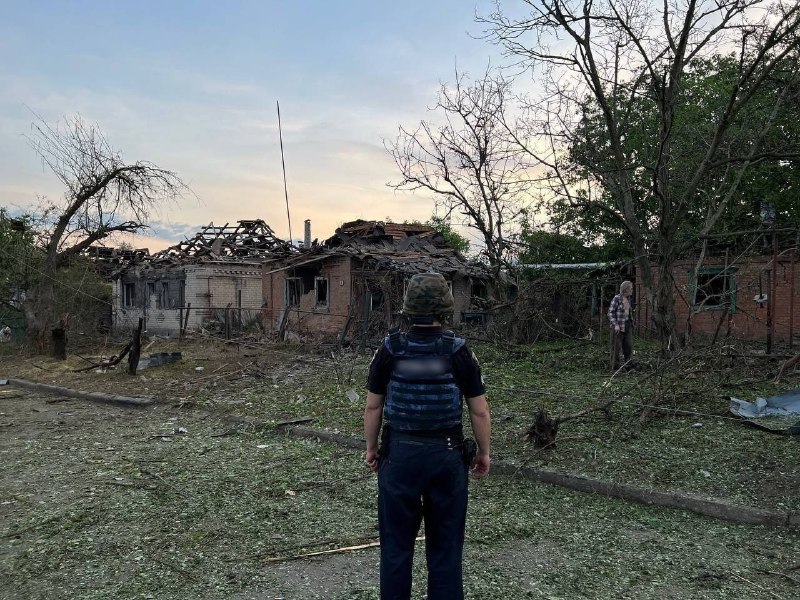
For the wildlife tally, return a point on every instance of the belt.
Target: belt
(443, 439)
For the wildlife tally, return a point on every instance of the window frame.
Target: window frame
(295, 283)
(327, 302)
(129, 294)
(163, 295)
(726, 299)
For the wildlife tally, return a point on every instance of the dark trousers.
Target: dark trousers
(422, 479)
(621, 341)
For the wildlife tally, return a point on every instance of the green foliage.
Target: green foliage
(454, 239)
(539, 247)
(16, 252)
(773, 175)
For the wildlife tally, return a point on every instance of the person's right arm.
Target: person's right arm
(613, 313)
(482, 428)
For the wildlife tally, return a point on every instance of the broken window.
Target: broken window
(479, 290)
(321, 291)
(376, 297)
(294, 289)
(714, 289)
(182, 293)
(238, 298)
(128, 294)
(151, 290)
(163, 296)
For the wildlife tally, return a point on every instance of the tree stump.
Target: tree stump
(544, 430)
(59, 339)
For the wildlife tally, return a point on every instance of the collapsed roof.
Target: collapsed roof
(407, 248)
(248, 241)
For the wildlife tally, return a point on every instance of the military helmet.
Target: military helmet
(428, 294)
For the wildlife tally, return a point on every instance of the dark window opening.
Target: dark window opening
(479, 291)
(238, 298)
(182, 293)
(294, 289)
(128, 294)
(163, 295)
(151, 290)
(376, 297)
(714, 289)
(321, 291)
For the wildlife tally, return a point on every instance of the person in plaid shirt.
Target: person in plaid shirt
(620, 314)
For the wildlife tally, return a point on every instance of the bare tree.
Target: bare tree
(469, 162)
(104, 195)
(596, 60)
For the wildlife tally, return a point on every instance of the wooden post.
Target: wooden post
(365, 324)
(773, 277)
(186, 318)
(791, 300)
(136, 348)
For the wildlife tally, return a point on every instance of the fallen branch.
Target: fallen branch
(294, 421)
(333, 551)
(94, 396)
(106, 363)
(307, 485)
(166, 483)
(569, 438)
(755, 585)
(787, 365)
(172, 567)
(779, 574)
(597, 408)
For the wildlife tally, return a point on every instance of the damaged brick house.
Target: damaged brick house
(351, 286)
(749, 293)
(743, 300)
(212, 280)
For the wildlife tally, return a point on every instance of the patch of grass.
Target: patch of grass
(98, 503)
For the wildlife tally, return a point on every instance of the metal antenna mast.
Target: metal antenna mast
(283, 164)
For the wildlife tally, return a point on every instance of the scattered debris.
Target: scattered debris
(778, 414)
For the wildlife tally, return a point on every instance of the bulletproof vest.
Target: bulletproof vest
(422, 394)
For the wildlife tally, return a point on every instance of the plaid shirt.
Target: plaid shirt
(616, 312)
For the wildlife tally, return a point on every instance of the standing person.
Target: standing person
(417, 382)
(620, 314)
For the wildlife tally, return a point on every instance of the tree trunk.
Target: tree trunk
(39, 308)
(664, 306)
(136, 348)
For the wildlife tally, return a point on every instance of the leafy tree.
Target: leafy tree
(104, 195)
(619, 130)
(16, 255)
(454, 239)
(550, 247)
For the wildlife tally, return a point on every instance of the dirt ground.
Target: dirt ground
(176, 501)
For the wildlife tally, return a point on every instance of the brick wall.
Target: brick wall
(462, 297)
(748, 319)
(309, 318)
(209, 288)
